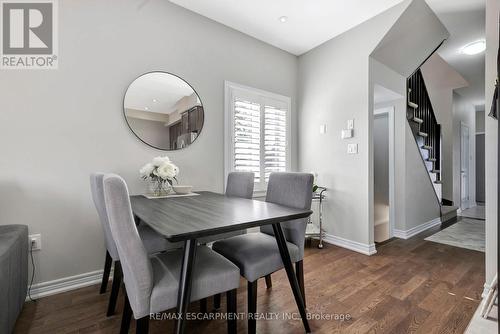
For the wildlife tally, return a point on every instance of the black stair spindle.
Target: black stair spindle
(426, 122)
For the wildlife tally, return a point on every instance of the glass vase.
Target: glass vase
(159, 188)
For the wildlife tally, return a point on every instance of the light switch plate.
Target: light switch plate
(350, 124)
(352, 148)
(346, 134)
(322, 129)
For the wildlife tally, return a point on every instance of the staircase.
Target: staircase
(427, 133)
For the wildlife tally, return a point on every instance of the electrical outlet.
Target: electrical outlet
(352, 148)
(35, 241)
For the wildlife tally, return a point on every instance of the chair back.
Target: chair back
(135, 262)
(293, 190)
(240, 184)
(98, 198)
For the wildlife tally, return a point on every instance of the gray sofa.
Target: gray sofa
(13, 274)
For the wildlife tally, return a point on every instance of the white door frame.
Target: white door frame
(389, 110)
(466, 170)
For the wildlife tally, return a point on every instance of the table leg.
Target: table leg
(287, 262)
(184, 295)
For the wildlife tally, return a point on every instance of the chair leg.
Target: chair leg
(217, 299)
(142, 325)
(203, 305)
(127, 315)
(252, 307)
(115, 288)
(299, 271)
(269, 283)
(105, 275)
(231, 311)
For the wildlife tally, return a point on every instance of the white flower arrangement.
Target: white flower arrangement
(160, 170)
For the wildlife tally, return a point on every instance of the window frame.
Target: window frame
(231, 90)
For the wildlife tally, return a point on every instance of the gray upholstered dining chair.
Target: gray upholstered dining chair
(153, 242)
(152, 283)
(257, 254)
(239, 184)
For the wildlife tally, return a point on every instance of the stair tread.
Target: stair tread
(445, 209)
(412, 105)
(426, 147)
(435, 171)
(431, 159)
(417, 120)
(422, 134)
(438, 182)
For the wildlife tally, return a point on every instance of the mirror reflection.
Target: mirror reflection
(163, 111)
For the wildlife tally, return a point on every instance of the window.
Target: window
(257, 125)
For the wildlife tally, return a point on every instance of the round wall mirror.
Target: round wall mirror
(163, 111)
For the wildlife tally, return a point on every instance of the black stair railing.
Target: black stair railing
(422, 120)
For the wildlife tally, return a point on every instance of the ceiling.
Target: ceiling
(382, 94)
(156, 92)
(311, 23)
(465, 20)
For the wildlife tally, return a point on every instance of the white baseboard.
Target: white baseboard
(350, 244)
(65, 284)
(417, 229)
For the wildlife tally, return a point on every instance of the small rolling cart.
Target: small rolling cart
(315, 230)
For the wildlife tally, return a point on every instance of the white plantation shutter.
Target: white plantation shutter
(247, 137)
(257, 130)
(275, 140)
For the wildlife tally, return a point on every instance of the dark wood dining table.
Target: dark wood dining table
(189, 218)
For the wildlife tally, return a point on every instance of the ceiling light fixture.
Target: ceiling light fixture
(155, 100)
(474, 48)
(146, 108)
(283, 19)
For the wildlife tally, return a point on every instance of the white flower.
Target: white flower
(159, 161)
(146, 170)
(167, 171)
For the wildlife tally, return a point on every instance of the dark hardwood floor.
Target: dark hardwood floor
(410, 285)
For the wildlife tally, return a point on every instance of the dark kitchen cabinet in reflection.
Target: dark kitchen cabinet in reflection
(186, 130)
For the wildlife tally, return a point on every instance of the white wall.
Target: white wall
(491, 149)
(404, 48)
(463, 113)
(333, 88)
(61, 125)
(152, 132)
(422, 205)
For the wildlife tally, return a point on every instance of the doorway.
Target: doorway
(383, 163)
(480, 169)
(464, 167)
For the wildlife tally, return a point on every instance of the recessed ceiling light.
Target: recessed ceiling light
(155, 100)
(283, 19)
(146, 108)
(474, 48)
